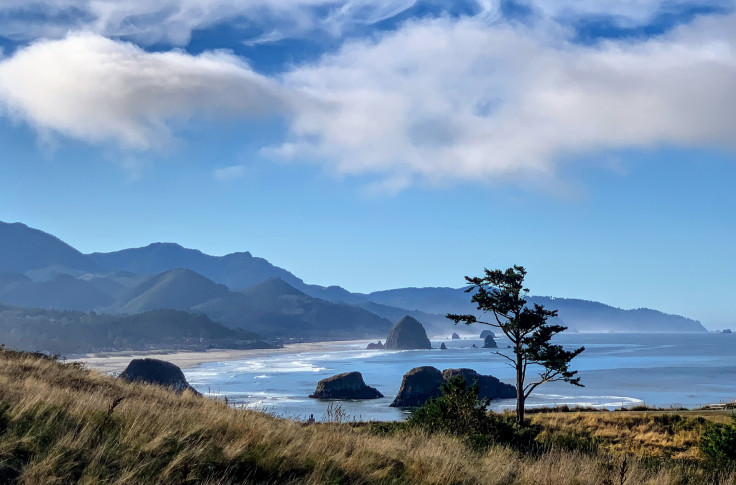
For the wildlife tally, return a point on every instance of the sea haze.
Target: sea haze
(687, 369)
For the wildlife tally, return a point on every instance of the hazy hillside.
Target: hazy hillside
(579, 315)
(179, 289)
(39, 270)
(77, 332)
(236, 270)
(62, 292)
(274, 308)
(25, 249)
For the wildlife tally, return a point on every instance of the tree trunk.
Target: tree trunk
(519, 390)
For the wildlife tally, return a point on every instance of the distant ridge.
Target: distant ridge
(237, 270)
(24, 249)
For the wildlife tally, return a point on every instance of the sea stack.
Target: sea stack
(375, 346)
(486, 333)
(348, 385)
(418, 385)
(159, 372)
(489, 343)
(443, 346)
(455, 336)
(407, 334)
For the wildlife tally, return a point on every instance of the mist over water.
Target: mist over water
(617, 370)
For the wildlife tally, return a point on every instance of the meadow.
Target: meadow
(63, 423)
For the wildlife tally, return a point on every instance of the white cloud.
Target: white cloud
(436, 101)
(446, 100)
(99, 90)
(229, 173)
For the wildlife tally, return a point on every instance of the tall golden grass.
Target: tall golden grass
(58, 425)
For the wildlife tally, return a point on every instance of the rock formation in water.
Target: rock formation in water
(406, 334)
(159, 372)
(490, 387)
(486, 333)
(443, 346)
(348, 385)
(423, 383)
(455, 336)
(418, 385)
(489, 343)
(375, 346)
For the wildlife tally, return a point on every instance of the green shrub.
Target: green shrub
(719, 441)
(460, 412)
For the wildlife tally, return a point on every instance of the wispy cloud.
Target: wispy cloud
(231, 172)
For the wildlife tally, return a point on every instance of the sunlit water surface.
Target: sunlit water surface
(617, 369)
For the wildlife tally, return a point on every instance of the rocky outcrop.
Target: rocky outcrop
(418, 385)
(348, 385)
(375, 346)
(490, 387)
(159, 372)
(443, 346)
(406, 334)
(489, 343)
(486, 333)
(423, 383)
(455, 336)
(728, 330)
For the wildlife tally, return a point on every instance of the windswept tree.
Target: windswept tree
(501, 293)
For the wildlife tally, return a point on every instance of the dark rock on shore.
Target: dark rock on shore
(455, 336)
(490, 387)
(348, 385)
(159, 372)
(486, 333)
(375, 346)
(728, 330)
(406, 334)
(418, 385)
(423, 383)
(489, 343)
(443, 346)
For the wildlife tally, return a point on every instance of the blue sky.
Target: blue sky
(385, 144)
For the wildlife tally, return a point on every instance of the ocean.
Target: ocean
(684, 369)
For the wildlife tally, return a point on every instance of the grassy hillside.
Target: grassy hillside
(59, 424)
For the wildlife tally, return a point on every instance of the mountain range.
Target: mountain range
(249, 293)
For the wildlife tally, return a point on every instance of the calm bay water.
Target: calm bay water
(617, 369)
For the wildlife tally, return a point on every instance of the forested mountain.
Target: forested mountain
(239, 290)
(237, 270)
(76, 332)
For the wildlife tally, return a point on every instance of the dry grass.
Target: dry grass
(56, 427)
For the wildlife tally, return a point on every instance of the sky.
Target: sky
(388, 143)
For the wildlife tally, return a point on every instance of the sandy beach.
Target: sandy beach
(118, 361)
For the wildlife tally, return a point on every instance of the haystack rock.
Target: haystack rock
(418, 385)
(406, 334)
(486, 333)
(489, 343)
(375, 346)
(455, 336)
(159, 372)
(490, 387)
(443, 346)
(348, 385)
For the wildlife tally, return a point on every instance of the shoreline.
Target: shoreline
(117, 361)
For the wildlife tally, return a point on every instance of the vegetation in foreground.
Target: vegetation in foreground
(60, 423)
